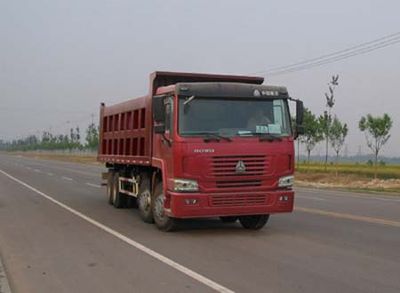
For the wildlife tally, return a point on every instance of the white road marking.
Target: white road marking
(67, 178)
(196, 276)
(37, 170)
(4, 284)
(310, 197)
(93, 185)
(50, 174)
(324, 192)
(29, 168)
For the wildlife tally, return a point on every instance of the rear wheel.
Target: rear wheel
(230, 219)
(118, 199)
(163, 222)
(255, 222)
(110, 186)
(144, 200)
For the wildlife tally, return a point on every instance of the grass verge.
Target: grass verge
(83, 159)
(353, 177)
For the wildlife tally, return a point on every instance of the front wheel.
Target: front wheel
(255, 222)
(162, 221)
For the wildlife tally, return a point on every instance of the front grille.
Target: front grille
(238, 200)
(238, 183)
(223, 166)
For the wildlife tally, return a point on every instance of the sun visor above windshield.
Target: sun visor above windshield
(229, 89)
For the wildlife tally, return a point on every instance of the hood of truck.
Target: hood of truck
(240, 164)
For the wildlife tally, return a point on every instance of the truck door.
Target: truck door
(165, 147)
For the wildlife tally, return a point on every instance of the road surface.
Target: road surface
(58, 234)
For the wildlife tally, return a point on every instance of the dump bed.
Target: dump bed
(125, 132)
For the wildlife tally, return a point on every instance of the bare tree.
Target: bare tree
(326, 119)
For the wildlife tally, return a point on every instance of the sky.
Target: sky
(60, 59)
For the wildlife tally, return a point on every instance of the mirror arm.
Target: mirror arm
(166, 139)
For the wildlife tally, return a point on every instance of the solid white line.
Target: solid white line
(4, 284)
(67, 178)
(93, 185)
(196, 276)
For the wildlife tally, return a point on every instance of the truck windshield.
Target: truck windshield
(233, 117)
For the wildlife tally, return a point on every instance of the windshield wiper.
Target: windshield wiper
(188, 100)
(262, 136)
(211, 135)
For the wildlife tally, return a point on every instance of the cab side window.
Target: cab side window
(168, 102)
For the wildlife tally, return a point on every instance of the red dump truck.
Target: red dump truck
(201, 145)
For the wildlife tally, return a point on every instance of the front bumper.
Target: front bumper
(196, 205)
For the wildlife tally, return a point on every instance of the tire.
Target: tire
(229, 219)
(255, 222)
(162, 221)
(144, 200)
(118, 199)
(110, 186)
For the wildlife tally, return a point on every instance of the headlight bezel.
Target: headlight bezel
(286, 181)
(185, 185)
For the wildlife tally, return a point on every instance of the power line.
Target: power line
(337, 58)
(362, 48)
(395, 35)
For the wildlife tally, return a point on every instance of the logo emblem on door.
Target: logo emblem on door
(240, 167)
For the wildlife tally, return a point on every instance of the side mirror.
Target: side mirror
(299, 130)
(299, 113)
(158, 109)
(159, 129)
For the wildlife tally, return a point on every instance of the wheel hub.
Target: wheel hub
(144, 200)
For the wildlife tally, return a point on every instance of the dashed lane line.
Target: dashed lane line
(67, 178)
(188, 272)
(93, 185)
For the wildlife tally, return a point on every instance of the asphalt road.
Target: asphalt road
(58, 234)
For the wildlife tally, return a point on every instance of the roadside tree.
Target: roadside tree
(376, 131)
(312, 132)
(92, 136)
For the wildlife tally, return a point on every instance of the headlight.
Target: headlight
(286, 181)
(185, 185)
